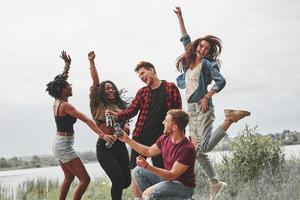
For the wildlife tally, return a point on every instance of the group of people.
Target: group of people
(159, 131)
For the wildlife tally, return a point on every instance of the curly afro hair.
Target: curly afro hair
(55, 87)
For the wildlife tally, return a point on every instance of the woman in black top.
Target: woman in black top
(114, 160)
(65, 116)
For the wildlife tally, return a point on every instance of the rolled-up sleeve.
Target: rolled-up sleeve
(180, 80)
(134, 107)
(186, 40)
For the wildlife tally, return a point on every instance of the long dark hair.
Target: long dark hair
(187, 59)
(118, 95)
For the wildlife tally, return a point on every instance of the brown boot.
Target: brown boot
(235, 115)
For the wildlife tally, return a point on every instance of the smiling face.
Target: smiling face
(146, 75)
(110, 91)
(67, 91)
(202, 49)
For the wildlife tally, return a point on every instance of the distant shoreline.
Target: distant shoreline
(20, 168)
(39, 161)
(288, 148)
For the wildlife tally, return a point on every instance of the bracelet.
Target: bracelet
(92, 67)
(66, 68)
(206, 97)
(146, 166)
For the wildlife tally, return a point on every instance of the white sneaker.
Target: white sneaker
(216, 190)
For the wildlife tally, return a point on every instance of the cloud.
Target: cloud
(260, 59)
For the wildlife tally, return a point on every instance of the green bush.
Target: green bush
(254, 169)
(253, 153)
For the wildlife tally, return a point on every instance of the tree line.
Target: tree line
(39, 161)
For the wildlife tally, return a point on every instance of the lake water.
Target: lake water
(13, 177)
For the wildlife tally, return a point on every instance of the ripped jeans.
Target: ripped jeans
(200, 128)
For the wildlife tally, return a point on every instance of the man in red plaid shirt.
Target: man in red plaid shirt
(152, 102)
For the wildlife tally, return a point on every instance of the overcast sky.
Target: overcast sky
(260, 59)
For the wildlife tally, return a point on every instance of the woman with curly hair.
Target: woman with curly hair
(200, 66)
(114, 160)
(65, 116)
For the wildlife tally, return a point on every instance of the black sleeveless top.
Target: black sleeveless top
(65, 123)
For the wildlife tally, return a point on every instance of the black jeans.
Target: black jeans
(115, 163)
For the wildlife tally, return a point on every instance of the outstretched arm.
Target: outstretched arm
(140, 148)
(93, 70)
(72, 111)
(67, 60)
(132, 110)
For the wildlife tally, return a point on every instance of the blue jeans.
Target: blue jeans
(158, 188)
(201, 128)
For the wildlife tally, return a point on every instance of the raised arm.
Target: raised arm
(93, 70)
(181, 22)
(67, 60)
(185, 38)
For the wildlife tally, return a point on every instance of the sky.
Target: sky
(259, 60)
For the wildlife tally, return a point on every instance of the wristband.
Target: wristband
(206, 97)
(66, 68)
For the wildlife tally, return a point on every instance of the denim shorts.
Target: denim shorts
(63, 148)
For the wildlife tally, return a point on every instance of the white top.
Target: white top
(192, 80)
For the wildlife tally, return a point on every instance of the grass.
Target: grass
(282, 186)
(5, 193)
(43, 189)
(31, 189)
